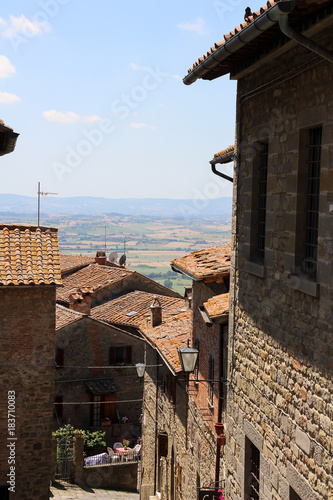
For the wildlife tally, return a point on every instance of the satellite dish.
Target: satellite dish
(113, 257)
(122, 260)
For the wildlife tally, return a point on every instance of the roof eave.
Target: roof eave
(238, 41)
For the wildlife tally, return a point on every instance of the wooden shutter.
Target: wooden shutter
(110, 409)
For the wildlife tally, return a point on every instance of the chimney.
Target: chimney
(80, 301)
(188, 297)
(100, 257)
(156, 312)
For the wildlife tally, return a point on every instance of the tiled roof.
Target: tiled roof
(218, 65)
(133, 309)
(65, 316)
(218, 307)
(94, 276)
(8, 139)
(71, 263)
(211, 264)
(29, 255)
(229, 149)
(171, 336)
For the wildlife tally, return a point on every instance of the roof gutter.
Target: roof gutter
(227, 158)
(303, 40)
(260, 24)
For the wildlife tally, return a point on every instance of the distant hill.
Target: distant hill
(17, 204)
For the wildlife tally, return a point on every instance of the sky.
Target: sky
(95, 91)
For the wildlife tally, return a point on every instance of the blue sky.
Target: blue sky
(95, 90)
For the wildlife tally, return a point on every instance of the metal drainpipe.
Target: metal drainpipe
(224, 176)
(219, 411)
(303, 40)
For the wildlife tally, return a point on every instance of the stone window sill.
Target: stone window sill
(303, 285)
(253, 268)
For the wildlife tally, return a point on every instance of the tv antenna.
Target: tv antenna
(41, 193)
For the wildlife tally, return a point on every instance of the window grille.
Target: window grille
(312, 202)
(262, 195)
(255, 468)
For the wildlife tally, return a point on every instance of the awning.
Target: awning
(101, 386)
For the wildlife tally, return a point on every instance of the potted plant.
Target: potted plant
(78, 433)
(125, 444)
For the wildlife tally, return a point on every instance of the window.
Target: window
(120, 355)
(59, 357)
(103, 407)
(259, 196)
(308, 192)
(252, 471)
(312, 202)
(211, 378)
(171, 388)
(4, 493)
(293, 495)
(196, 369)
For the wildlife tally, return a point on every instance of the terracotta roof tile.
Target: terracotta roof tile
(235, 31)
(94, 276)
(229, 149)
(29, 255)
(217, 307)
(211, 264)
(133, 309)
(171, 336)
(71, 263)
(65, 316)
(8, 139)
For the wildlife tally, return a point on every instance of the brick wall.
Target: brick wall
(27, 325)
(280, 397)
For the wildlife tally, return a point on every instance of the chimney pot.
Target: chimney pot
(80, 301)
(156, 312)
(100, 257)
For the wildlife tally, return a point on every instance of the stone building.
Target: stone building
(209, 270)
(280, 423)
(166, 444)
(29, 275)
(96, 383)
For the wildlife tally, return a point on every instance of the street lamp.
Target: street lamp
(188, 357)
(140, 369)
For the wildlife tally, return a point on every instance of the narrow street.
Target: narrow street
(65, 491)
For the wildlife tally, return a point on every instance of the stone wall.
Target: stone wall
(86, 344)
(281, 335)
(27, 326)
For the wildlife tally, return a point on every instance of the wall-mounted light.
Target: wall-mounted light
(140, 369)
(188, 357)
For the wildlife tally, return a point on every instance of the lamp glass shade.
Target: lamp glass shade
(140, 369)
(188, 357)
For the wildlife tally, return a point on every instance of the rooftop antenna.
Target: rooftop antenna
(41, 193)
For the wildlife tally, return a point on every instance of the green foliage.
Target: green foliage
(168, 283)
(93, 440)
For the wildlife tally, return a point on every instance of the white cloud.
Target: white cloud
(57, 116)
(141, 125)
(2, 22)
(24, 26)
(176, 77)
(135, 67)
(6, 67)
(92, 119)
(199, 26)
(7, 98)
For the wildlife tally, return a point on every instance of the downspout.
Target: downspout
(224, 176)
(303, 40)
(219, 410)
